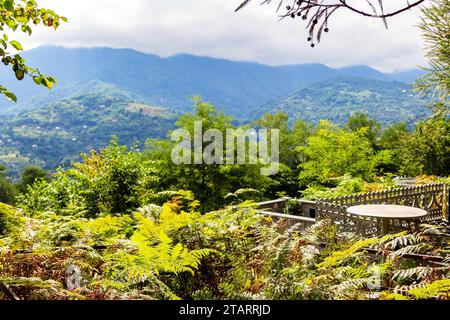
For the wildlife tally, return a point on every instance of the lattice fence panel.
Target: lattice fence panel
(432, 198)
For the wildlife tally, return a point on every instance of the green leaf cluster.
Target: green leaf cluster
(23, 15)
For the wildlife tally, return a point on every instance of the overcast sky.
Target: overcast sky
(210, 27)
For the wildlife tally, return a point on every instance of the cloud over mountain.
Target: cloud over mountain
(211, 28)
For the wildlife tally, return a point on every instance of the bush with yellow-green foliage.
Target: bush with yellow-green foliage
(114, 181)
(346, 185)
(10, 218)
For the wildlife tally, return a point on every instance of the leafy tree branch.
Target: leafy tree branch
(23, 15)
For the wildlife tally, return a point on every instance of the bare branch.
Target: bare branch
(317, 13)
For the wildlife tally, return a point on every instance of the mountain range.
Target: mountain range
(103, 92)
(236, 87)
(336, 99)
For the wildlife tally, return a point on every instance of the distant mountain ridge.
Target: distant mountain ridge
(236, 87)
(336, 99)
(408, 76)
(364, 72)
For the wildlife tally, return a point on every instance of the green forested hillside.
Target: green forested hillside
(57, 133)
(73, 90)
(237, 87)
(336, 99)
(94, 111)
(168, 82)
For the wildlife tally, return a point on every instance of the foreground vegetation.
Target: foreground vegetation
(129, 224)
(121, 225)
(174, 252)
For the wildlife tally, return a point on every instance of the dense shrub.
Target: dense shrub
(114, 181)
(9, 218)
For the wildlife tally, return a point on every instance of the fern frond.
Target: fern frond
(411, 249)
(348, 289)
(437, 290)
(418, 273)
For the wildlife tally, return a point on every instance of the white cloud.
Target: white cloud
(210, 27)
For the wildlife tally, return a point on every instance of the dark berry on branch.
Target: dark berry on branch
(326, 30)
(305, 17)
(309, 38)
(315, 21)
(20, 74)
(293, 15)
(312, 45)
(288, 7)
